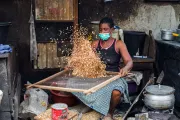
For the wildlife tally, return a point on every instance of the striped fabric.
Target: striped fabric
(100, 100)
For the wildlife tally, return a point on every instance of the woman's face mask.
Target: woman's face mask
(104, 31)
(104, 36)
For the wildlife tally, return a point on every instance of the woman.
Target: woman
(105, 99)
(111, 51)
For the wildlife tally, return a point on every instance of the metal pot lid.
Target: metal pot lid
(159, 89)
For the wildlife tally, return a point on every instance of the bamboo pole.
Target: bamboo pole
(116, 73)
(97, 87)
(59, 88)
(48, 78)
(137, 98)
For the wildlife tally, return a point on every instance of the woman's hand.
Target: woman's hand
(123, 72)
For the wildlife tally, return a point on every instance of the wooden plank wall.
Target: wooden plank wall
(54, 9)
(47, 57)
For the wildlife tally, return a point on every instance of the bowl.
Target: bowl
(63, 97)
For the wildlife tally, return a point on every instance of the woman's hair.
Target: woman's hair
(108, 21)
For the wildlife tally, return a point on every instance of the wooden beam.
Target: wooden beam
(59, 88)
(97, 87)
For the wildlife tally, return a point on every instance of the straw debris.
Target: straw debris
(84, 61)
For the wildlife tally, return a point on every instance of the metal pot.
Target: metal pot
(167, 34)
(159, 97)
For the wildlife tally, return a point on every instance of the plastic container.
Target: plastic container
(121, 35)
(115, 34)
(4, 29)
(1, 95)
(132, 87)
(63, 97)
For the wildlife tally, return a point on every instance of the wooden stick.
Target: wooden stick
(116, 73)
(137, 98)
(71, 118)
(59, 88)
(111, 73)
(97, 87)
(48, 78)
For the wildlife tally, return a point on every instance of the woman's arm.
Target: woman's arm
(126, 58)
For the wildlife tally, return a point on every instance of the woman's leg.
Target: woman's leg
(115, 99)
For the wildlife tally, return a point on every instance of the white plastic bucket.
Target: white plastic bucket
(1, 95)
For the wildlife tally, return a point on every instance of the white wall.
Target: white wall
(153, 17)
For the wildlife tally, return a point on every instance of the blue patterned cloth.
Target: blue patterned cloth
(5, 49)
(100, 100)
